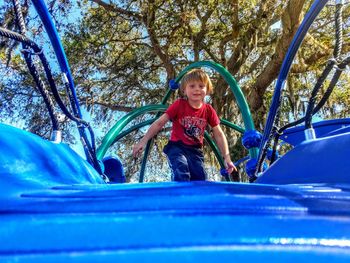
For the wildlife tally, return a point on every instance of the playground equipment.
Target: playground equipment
(56, 206)
(251, 143)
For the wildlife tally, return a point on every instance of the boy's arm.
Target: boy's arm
(152, 131)
(221, 141)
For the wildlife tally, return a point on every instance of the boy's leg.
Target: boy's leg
(178, 163)
(196, 165)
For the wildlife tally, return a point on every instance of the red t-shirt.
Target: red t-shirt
(189, 123)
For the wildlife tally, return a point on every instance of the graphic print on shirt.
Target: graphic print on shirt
(193, 127)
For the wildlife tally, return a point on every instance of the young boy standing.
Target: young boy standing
(190, 117)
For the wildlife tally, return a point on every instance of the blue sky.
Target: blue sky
(43, 41)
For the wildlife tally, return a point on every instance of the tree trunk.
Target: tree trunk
(291, 20)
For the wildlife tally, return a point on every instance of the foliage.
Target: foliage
(124, 52)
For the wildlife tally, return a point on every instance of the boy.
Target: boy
(190, 116)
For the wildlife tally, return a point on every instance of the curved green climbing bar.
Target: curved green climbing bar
(116, 132)
(118, 127)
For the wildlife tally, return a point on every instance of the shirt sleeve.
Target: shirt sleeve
(213, 118)
(173, 110)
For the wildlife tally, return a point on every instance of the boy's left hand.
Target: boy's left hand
(230, 167)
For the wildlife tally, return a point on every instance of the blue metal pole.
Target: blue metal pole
(287, 62)
(45, 17)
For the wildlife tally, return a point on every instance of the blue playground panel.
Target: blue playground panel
(177, 221)
(55, 207)
(52, 211)
(295, 135)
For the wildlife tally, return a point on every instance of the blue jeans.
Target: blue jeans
(186, 162)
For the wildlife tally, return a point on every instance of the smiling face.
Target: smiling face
(195, 85)
(195, 91)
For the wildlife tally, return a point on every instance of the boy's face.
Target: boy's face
(195, 90)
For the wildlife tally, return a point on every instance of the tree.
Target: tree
(123, 53)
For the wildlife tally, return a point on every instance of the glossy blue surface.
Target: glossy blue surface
(177, 221)
(324, 160)
(296, 135)
(54, 207)
(28, 162)
(113, 169)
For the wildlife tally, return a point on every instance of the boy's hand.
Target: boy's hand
(137, 149)
(230, 167)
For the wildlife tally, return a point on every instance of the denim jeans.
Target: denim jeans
(186, 162)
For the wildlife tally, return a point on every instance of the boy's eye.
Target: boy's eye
(201, 86)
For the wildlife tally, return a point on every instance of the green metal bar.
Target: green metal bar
(167, 96)
(150, 142)
(215, 149)
(126, 132)
(150, 121)
(144, 160)
(133, 128)
(236, 90)
(111, 136)
(232, 125)
(117, 128)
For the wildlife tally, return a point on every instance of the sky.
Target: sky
(73, 16)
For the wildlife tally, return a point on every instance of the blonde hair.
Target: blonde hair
(196, 75)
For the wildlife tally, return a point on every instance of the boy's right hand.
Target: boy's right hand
(137, 149)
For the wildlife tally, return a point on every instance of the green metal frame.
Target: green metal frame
(119, 126)
(116, 131)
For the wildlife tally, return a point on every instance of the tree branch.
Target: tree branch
(116, 9)
(291, 20)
